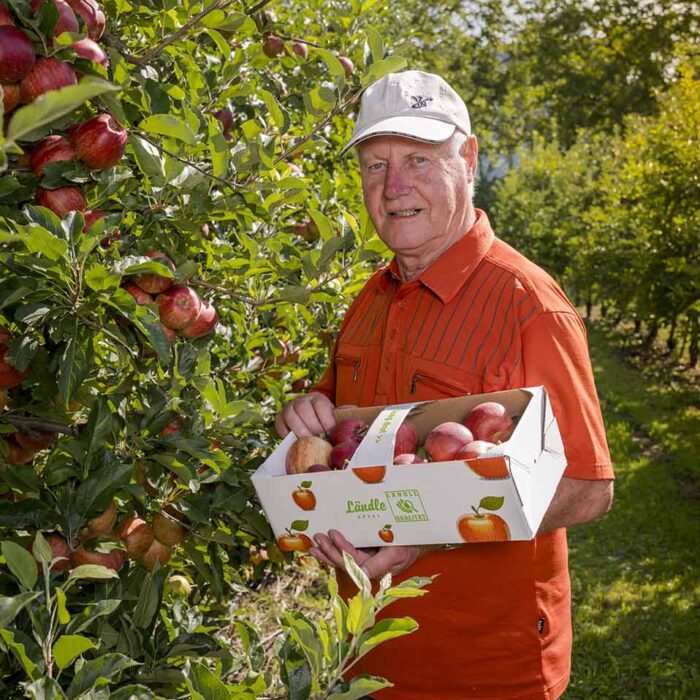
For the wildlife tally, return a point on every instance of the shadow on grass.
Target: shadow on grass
(634, 579)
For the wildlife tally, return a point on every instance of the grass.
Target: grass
(634, 580)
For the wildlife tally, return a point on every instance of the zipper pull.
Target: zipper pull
(414, 380)
(357, 371)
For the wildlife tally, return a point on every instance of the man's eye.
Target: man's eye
(375, 166)
(420, 159)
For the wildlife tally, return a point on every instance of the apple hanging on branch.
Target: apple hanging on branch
(52, 149)
(92, 15)
(47, 74)
(67, 21)
(11, 97)
(17, 56)
(62, 200)
(100, 142)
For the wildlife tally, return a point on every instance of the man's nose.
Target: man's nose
(396, 183)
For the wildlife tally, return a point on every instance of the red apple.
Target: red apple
(114, 559)
(445, 440)
(406, 439)
(157, 552)
(168, 531)
(62, 200)
(5, 17)
(37, 441)
(408, 459)
(296, 542)
(348, 65)
(307, 451)
(91, 51)
(16, 54)
(92, 216)
(483, 527)
(300, 48)
(18, 454)
(100, 142)
(59, 550)
(91, 14)
(151, 282)
(50, 150)
(137, 536)
(204, 323)
(490, 421)
(273, 46)
(173, 428)
(138, 293)
(307, 230)
(46, 75)
(318, 468)
(101, 525)
(225, 116)
(386, 534)
(11, 97)
(474, 449)
(342, 453)
(67, 21)
(9, 375)
(304, 497)
(170, 334)
(178, 306)
(350, 429)
(299, 385)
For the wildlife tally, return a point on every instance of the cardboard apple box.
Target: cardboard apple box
(376, 503)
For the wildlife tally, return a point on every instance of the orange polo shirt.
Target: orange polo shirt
(496, 622)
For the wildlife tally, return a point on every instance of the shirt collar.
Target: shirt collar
(447, 275)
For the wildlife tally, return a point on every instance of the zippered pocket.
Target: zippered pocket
(427, 383)
(352, 364)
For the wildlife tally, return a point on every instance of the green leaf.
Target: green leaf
(100, 669)
(383, 631)
(206, 683)
(19, 649)
(73, 364)
(91, 572)
(295, 294)
(334, 65)
(150, 597)
(52, 105)
(45, 689)
(392, 64)
(91, 612)
(10, 607)
(98, 488)
(148, 157)
(99, 278)
(274, 109)
(41, 241)
(304, 635)
(358, 576)
(169, 125)
(21, 563)
(360, 613)
(491, 502)
(68, 647)
(62, 610)
(360, 686)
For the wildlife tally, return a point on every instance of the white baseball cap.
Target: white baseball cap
(413, 104)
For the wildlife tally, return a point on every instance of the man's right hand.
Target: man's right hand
(311, 414)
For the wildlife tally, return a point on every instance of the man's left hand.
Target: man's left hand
(375, 562)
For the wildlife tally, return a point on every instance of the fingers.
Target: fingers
(391, 560)
(307, 415)
(330, 547)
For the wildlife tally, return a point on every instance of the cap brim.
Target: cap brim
(419, 128)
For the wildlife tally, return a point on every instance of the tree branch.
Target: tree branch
(40, 424)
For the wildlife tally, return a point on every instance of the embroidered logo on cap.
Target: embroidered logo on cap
(420, 101)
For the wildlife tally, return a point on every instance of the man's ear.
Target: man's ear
(471, 155)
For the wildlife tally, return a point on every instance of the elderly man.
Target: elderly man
(457, 312)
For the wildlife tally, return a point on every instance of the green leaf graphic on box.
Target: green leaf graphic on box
(491, 502)
(305, 484)
(299, 525)
(406, 506)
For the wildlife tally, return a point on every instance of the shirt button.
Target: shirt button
(402, 304)
(392, 333)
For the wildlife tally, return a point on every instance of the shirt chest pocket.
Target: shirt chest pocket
(427, 381)
(351, 370)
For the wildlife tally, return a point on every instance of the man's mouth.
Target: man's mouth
(404, 213)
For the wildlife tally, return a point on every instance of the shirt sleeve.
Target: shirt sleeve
(555, 355)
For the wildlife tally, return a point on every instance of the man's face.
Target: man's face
(417, 194)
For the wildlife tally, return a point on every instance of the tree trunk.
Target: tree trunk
(671, 341)
(637, 324)
(694, 345)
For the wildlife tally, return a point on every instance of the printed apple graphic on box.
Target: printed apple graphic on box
(295, 540)
(386, 533)
(304, 497)
(484, 527)
(370, 475)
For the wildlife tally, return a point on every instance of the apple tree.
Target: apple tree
(177, 239)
